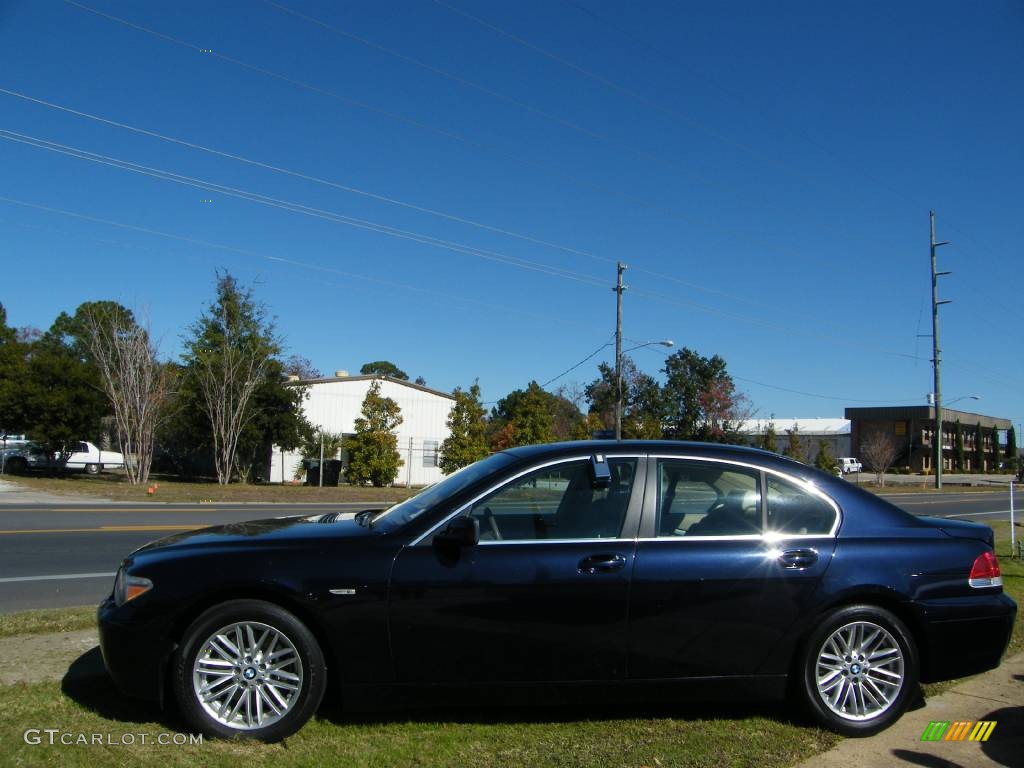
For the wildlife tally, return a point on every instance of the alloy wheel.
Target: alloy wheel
(859, 671)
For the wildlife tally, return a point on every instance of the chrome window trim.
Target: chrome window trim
(512, 479)
(799, 482)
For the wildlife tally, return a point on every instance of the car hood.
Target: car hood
(272, 531)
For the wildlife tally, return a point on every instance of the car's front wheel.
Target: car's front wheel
(92, 469)
(859, 670)
(250, 669)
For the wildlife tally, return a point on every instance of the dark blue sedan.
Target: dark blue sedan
(659, 568)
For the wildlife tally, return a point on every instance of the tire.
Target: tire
(93, 469)
(841, 691)
(249, 698)
(16, 465)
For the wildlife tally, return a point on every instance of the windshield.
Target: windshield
(408, 510)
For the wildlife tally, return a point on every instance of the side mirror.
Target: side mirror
(460, 533)
(600, 473)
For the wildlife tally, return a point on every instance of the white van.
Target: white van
(90, 458)
(848, 464)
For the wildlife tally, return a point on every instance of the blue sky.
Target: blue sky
(764, 168)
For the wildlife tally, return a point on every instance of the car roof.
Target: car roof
(688, 447)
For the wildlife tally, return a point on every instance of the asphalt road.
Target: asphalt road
(54, 555)
(58, 555)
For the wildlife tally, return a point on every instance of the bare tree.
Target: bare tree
(227, 376)
(137, 384)
(879, 452)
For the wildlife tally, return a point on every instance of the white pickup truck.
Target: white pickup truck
(90, 458)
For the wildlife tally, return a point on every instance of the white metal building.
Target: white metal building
(835, 432)
(333, 404)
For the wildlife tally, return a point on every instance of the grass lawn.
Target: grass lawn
(47, 620)
(84, 702)
(115, 487)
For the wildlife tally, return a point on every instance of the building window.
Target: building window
(430, 453)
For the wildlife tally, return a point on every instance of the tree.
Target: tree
(12, 378)
(467, 427)
(997, 458)
(227, 359)
(522, 417)
(961, 458)
(373, 451)
(643, 406)
(795, 448)
(297, 365)
(979, 449)
(824, 460)
(879, 452)
(769, 439)
(421, 381)
(700, 398)
(138, 386)
(57, 398)
(1011, 445)
(384, 368)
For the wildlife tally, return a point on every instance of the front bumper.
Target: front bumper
(965, 636)
(135, 654)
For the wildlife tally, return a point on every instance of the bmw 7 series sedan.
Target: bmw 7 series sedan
(682, 568)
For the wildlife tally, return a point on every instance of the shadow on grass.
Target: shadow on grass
(87, 683)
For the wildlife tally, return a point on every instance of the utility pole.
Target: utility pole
(619, 288)
(936, 360)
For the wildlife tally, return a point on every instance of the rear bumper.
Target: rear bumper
(965, 636)
(135, 655)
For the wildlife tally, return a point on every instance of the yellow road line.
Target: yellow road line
(112, 529)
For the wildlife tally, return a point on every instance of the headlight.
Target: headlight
(129, 587)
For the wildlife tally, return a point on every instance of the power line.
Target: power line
(488, 148)
(581, 362)
(793, 391)
(298, 208)
(276, 259)
(387, 199)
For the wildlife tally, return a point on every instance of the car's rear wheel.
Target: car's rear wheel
(859, 669)
(92, 469)
(250, 669)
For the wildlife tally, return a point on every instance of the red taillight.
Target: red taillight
(985, 571)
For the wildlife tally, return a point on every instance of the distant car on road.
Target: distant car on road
(650, 566)
(848, 464)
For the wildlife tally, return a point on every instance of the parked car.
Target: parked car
(25, 455)
(848, 464)
(88, 457)
(650, 566)
(85, 456)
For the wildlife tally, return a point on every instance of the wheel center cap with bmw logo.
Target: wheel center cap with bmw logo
(249, 673)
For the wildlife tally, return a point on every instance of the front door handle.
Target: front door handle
(602, 563)
(798, 558)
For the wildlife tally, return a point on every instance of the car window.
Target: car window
(557, 502)
(794, 510)
(699, 498)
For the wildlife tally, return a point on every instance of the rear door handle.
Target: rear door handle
(798, 558)
(602, 563)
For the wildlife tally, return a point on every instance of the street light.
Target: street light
(618, 379)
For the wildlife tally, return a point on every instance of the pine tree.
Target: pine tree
(467, 439)
(825, 461)
(996, 455)
(769, 440)
(979, 449)
(795, 449)
(1011, 447)
(958, 438)
(373, 451)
